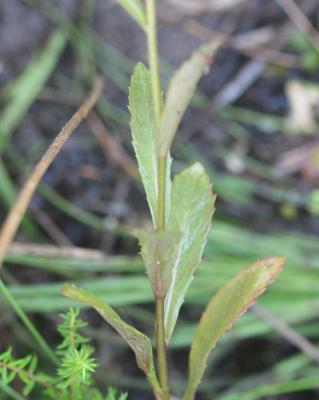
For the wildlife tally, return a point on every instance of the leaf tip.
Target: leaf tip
(197, 168)
(140, 67)
(67, 289)
(275, 264)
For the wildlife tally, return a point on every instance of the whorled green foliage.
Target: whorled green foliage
(229, 303)
(192, 206)
(113, 395)
(135, 9)
(139, 343)
(160, 252)
(69, 330)
(180, 92)
(77, 363)
(73, 380)
(76, 369)
(24, 368)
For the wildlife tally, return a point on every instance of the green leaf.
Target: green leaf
(10, 375)
(33, 364)
(230, 302)
(180, 92)
(192, 206)
(135, 9)
(28, 388)
(160, 252)
(143, 127)
(139, 343)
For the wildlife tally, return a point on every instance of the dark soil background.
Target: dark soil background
(244, 75)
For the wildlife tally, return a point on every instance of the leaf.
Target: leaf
(192, 206)
(25, 89)
(180, 92)
(135, 9)
(139, 343)
(230, 302)
(143, 127)
(160, 252)
(28, 388)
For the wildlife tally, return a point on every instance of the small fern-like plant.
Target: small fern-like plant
(73, 379)
(181, 211)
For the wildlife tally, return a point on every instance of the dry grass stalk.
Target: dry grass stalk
(300, 20)
(111, 147)
(15, 216)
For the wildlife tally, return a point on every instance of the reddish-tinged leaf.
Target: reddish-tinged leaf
(229, 303)
(160, 252)
(139, 343)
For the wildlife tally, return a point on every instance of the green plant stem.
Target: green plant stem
(189, 395)
(28, 324)
(161, 194)
(151, 33)
(161, 349)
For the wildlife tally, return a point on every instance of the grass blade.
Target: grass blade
(28, 324)
(11, 393)
(263, 391)
(26, 88)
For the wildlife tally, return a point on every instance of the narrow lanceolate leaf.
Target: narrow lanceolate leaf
(143, 127)
(192, 206)
(180, 92)
(139, 343)
(230, 302)
(135, 9)
(160, 251)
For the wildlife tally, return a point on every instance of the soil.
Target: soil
(90, 180)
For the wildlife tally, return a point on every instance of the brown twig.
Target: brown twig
(51, 229)
(44, 250)
(250, 43)
(18, 252)
(300, 20)
(111, 147)
(193, 7)
(15, 216)
(287, 332)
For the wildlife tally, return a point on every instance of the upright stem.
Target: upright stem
(161, 349)
(160, 328)
(151, 32)
(161, 193)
